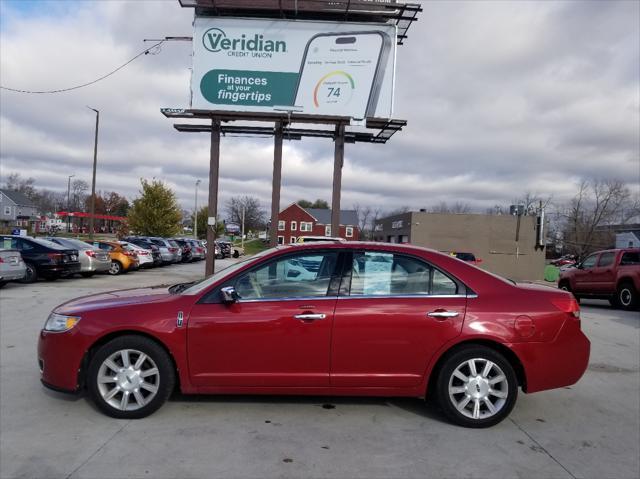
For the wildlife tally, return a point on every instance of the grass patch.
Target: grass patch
(252, 247)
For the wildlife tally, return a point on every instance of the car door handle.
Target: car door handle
(310, 316)
(441, 314)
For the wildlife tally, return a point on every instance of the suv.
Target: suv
(612, 274)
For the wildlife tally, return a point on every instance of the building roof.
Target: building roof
(347, 217)
(18, 198)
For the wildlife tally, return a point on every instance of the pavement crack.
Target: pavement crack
(97, 450)
(542, 448)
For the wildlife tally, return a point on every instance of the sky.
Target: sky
(501, 98)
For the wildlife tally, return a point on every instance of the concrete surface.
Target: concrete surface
(590, 430)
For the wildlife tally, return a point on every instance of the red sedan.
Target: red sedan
(368, 319)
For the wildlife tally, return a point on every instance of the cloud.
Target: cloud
(501, 98)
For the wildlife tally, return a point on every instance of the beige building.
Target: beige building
(507, 245)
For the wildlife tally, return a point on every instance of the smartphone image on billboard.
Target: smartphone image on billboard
(342, 73)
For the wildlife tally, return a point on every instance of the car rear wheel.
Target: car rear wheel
(3, 284)
(627, 296)
(115, 268)
(87, 275)
(31, 275)
(130, 377)
(476, 387)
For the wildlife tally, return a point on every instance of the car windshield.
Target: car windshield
(203, 284)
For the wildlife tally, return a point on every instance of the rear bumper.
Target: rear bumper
(555, 364)
(95, 266)
(13, 274)
(58, 269)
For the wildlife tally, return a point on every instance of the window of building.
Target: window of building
(349, 231)
(306, 226)
(293, 239)
(7, 210)
(280, 239)
(294, 225)
(281, 224)
(327, 230)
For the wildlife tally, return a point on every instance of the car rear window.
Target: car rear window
(630, 258)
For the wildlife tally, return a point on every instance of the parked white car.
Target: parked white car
(145, 256)
(12, 268)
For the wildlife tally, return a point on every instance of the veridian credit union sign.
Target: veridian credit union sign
(321, 68)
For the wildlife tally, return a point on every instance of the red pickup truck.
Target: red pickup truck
(612, 274)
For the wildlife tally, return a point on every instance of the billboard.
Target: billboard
(320, 68)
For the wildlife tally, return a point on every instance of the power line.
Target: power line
(146, 51)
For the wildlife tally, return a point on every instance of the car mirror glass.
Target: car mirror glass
(229, 295)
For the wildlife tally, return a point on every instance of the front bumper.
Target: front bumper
(555, 364)
(59, 359)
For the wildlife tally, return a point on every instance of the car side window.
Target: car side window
(606, 259)
(590, 261)
(24, 245)
(385, 274)
(9, 243)
(298, 276)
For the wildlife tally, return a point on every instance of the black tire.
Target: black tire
(236, 254)
(52, 277)
(166, 377)
(445, 378)
(627, 296)
(3, 284)
(31, 276)
(87, 275)
(116, 268)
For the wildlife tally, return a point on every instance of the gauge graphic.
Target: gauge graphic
(335, 88)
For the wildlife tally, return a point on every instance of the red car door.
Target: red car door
(604, 274)
(583, 275)
(276, 335)
(399, 312)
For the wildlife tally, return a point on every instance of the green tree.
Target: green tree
(203, 215)
(156, 212)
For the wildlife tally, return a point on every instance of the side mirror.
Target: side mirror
(229, 295)
(579, 266)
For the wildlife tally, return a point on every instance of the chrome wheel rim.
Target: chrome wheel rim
(625, 296)
(114, 268)
(128, 380)
(478, 388)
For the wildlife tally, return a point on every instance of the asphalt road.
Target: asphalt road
(591, 429)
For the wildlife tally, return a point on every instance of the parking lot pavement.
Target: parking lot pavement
(591, 429)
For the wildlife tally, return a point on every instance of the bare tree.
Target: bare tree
(598, 203)
(15, 182)
(79, 190)
(457, 208)
(254, 215)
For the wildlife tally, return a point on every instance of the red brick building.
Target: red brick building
(295, 221)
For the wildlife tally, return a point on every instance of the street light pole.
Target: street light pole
(93, 181)
(69, 203)
(242, 232)
(195, 217)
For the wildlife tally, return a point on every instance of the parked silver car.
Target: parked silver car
(92, 260)
(12, 268)
(168, 256)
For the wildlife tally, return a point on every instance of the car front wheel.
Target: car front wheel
(476, 387)
(130, 377)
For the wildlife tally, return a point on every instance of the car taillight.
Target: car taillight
(143, 253)
(55, 257)
(568, 305)
(90, 253)
(1, 260)
(130, 253)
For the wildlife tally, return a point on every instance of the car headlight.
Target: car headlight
(60, 322)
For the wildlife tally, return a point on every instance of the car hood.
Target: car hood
(116, 299)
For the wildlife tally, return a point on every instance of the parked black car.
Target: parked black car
(146, 244)
(225, 248)
(43, 258)
(185, 245)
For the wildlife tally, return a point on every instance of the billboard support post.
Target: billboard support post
(338, 162)
(214, 174)
(276, 183)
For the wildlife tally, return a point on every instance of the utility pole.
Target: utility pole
(195, 216)
(69, 203)
(242, 231)
(93, 181)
